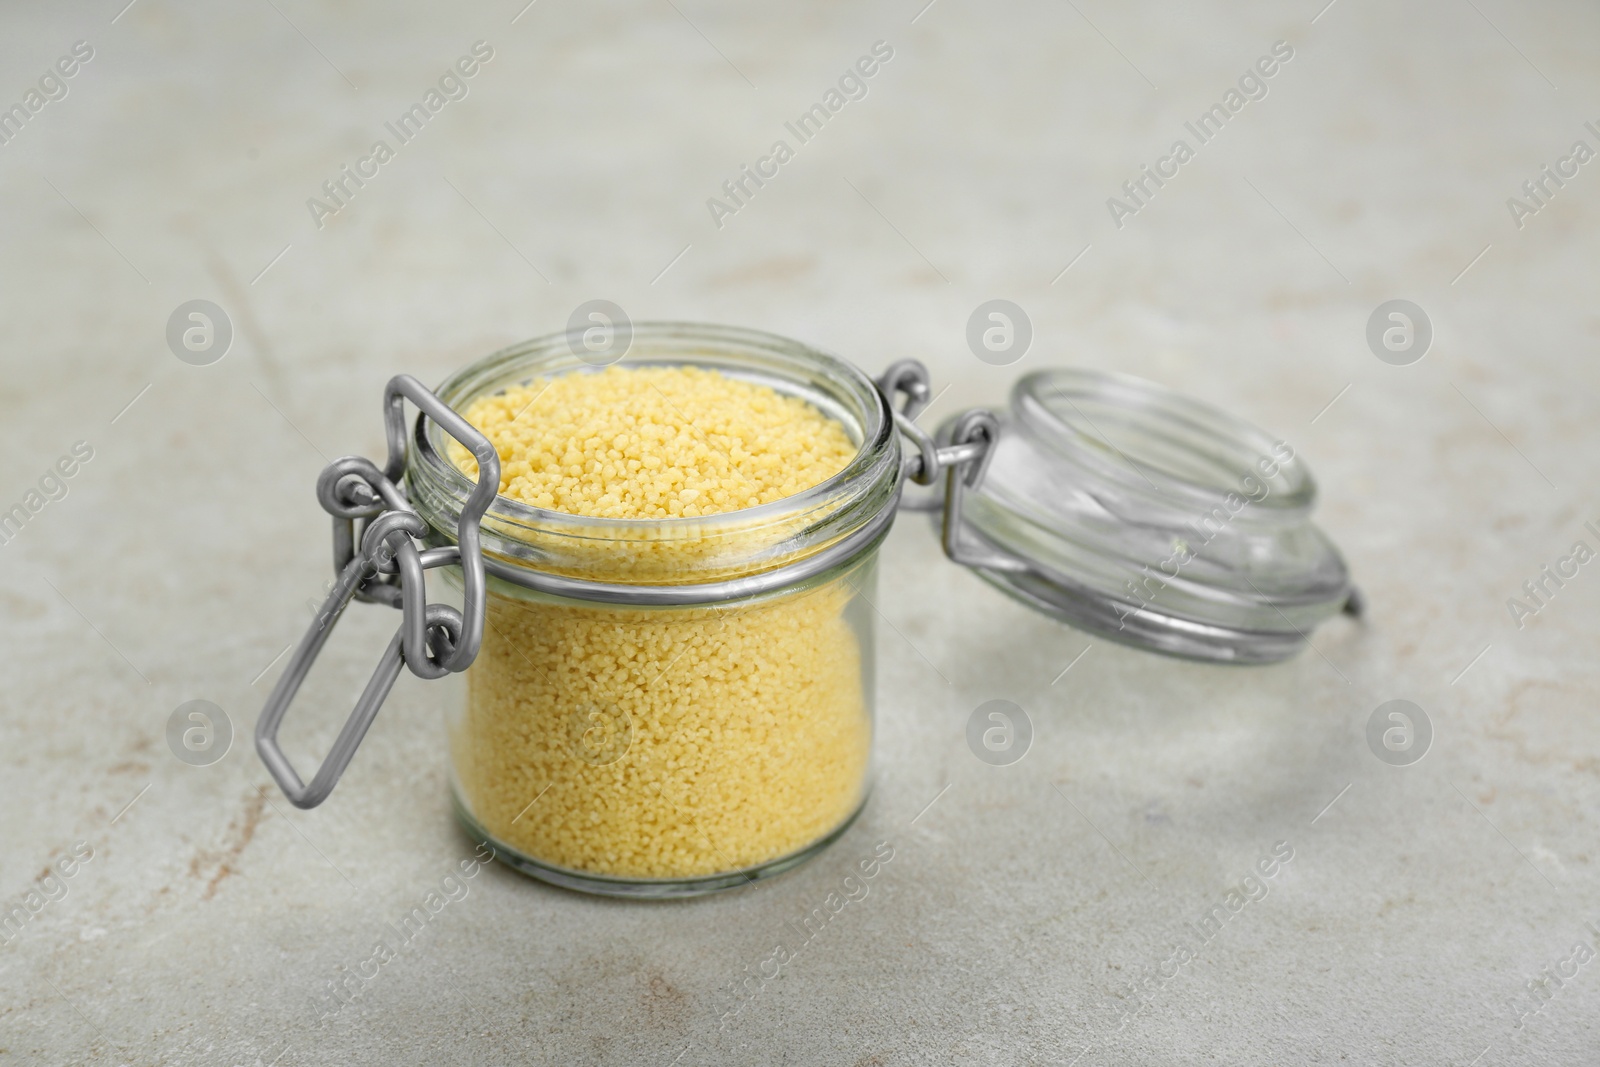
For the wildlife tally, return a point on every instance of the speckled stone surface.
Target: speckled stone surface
(1029, 915)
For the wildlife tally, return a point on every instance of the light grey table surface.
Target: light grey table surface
(1023, 909)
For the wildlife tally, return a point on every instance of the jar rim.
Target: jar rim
(845, 501)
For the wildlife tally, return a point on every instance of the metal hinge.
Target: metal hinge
(963, 460)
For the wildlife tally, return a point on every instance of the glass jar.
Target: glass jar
(620, 740)
(667, 707)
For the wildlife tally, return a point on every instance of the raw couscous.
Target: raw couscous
(661, 742)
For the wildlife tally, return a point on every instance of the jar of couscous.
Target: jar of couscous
(676, 681)
(665, 570)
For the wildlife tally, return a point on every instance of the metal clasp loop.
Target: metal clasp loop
(963, 460)
(381, 562)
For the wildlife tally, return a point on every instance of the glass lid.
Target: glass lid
(1155, 520)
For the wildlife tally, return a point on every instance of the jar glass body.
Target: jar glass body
(633, 747)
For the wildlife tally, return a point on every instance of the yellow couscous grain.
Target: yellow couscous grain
(655, 443)
(661, 742)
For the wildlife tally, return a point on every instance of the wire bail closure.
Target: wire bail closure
(380, 561)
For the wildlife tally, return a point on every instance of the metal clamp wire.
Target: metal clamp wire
(383, 563)
(483, 494)
(963, 461)
(966, 459)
